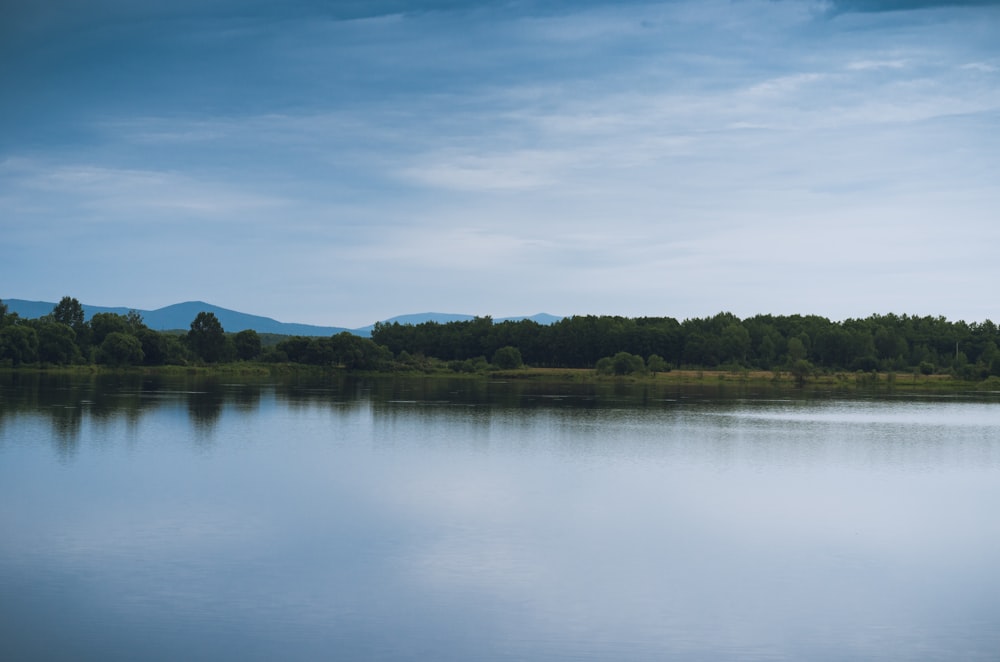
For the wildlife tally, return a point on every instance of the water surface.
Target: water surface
(412, 519)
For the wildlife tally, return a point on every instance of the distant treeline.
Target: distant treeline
(64, 337)
(764, 342)
(887, 343)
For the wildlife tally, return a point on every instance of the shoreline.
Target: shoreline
(841, 380)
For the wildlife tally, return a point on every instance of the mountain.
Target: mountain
(180, 316)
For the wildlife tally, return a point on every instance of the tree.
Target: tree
(101, 324)
(357, 353)
(134, 321)
(735, 343)
(507, 358)
(119, 349)
(69, 312)
(655, 364)
(18, 344)
(154, 346)
(624, 363)
(207, 339)
(801, 370)
(247, 343)
(796, 350)
(56, 343)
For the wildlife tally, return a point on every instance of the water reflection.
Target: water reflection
(726, 424)
(454, 519)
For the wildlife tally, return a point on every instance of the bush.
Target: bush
(507, 358)
(628, 364)
(655, 363)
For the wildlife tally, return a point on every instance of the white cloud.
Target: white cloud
(868, 65)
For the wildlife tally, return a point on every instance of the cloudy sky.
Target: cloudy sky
(345, 161)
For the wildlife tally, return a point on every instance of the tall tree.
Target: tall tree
(69, 312)
(207, 339)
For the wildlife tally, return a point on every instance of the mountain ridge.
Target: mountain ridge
(180, 315)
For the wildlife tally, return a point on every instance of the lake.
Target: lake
(408, 519)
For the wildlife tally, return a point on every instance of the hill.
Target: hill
(180, 315)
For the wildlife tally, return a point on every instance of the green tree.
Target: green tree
(101, 324)
(154, 346)
(207, 339)
(18, 344)
(624, 363)
(801, 370)
(507, 358)
(735, 343)
(134, 321)
(796, 350)
(69, 312)
(56, 343)
(357, 353)
(655, 364)
(248, 345)
(120, 349)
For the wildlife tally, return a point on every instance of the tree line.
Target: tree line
(65, 337)
(764, 342)
(609, 344)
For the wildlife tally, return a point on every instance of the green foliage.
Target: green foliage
(507, 358)
(69, 311)
(796, 350)
(207, 339)
(344, 349)
(101, 324)
(56, 343)
(611, 344)
(624, 363)
(478, 364)
(18, 344)
(247, 344)
(655, 364)
(120, 349)
(801, 370)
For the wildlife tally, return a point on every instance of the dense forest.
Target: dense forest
(613, 345)
(766, 342)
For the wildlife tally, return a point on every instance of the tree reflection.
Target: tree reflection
(205, 403)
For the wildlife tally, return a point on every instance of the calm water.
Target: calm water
(409, 520)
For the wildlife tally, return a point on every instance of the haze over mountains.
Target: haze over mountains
(180, 315)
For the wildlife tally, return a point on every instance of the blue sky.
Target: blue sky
(342, 162)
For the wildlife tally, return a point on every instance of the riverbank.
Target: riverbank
(782, 379)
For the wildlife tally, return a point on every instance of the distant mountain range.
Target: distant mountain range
(180, 316)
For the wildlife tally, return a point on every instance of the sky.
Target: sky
(343, 162)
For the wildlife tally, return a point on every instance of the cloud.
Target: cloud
(590, 153)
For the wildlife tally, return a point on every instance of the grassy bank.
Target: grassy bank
(784, 379)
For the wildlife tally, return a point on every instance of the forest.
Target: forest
(607, 344)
